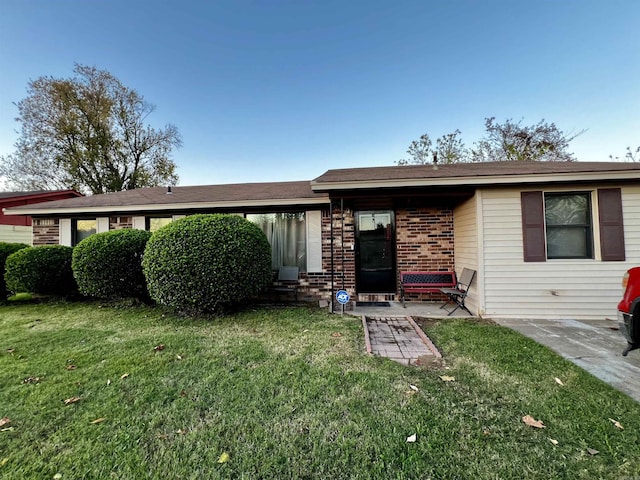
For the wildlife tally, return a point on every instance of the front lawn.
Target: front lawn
(290, 393)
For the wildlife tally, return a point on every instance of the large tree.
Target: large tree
(89, 133)
(448, 149)
(515, 141)
(502, 142)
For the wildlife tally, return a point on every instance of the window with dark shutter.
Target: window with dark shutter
(611, 224)
(533, 232)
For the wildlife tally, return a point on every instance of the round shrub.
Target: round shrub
(109, 264)
(206, 263)
(45, 270)
(7, 249)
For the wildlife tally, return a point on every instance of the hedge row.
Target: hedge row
(201, 263)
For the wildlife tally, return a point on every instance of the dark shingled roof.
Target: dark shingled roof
(32, 193)
(231, 193)
(471, 170)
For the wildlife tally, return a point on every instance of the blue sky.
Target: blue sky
(284, 90)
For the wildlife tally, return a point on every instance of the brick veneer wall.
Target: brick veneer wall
(318, 284)
(424, 242)
(46, 234)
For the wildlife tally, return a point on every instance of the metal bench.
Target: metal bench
(459, 293)
(425, 282)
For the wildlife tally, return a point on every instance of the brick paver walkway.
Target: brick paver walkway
(399, 339)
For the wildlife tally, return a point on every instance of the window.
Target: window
(559, 225)
(286, 233)
(568, 225)
(155, 223)
(81, 229)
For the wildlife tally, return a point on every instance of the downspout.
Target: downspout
(342, 243)
(331, 234)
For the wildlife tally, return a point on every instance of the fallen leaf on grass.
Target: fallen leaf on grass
(413, 387)
(181, 432)
(4, 421)
(224, 458)
(123, 376)
(447, 378)
(617, 424)
(4, 461)
(71, 367)
(58, 476)
(8, 429)
(412, 438)
(158, 348)
(558, 381)
(178, 357)
(11, 350)
(592, 451)
(31, 380)
(98, 420)
(554, 441)
(71, 400)
(529, 420)
(336, 334)
(108, 382)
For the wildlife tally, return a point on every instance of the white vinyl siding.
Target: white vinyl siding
(102, 224)
(139, 223)
(561, 288)
(16, 234)
(314, 240)
(65, 232)
(465, 227)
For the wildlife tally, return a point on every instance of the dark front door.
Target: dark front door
(375, 252)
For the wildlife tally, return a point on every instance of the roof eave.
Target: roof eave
(475, 180)
(167, 206)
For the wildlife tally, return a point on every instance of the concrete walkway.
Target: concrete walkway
(595, 346)
(399, 339)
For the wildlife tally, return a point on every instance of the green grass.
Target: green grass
(285, 397)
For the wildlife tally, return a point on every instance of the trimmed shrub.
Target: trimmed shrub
(109, 264)
(44, 270)
(7, 249)
(206, 263)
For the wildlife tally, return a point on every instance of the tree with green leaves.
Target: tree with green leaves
(506, 141)
(449, 148)
(89, 133)
(511, 141)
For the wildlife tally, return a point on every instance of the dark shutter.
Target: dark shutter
(533, 227)
(611, 225)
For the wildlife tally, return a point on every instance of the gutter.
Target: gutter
(166, 206)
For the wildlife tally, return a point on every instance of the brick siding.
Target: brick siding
(118, 223)
(424, 242)
(46, 234)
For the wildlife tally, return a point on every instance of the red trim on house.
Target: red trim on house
(15, 199)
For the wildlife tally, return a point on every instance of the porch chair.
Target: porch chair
(458, 294)
(287, 281)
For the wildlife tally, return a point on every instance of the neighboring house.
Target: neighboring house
(548, 240)
(17, 228)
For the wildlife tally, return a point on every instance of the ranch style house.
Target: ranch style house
(547, 239)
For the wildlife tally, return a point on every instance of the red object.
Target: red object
(15, 199)
(629, 309)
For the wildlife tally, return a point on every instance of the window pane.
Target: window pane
(567, 242)
(286, 233)
(84, 228)
(158, 222)
(567, 209)
(568, 225)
